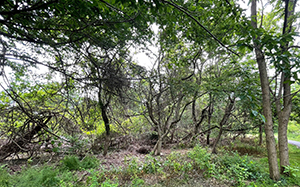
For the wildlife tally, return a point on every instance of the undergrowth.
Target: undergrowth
(229, 168)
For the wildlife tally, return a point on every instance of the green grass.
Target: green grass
(294, 156)
(294, 136)
(291, 136)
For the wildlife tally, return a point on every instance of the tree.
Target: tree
(165, 100)
(60, 31)
(104, 72)
(33, 112)
(284, 109)
(276, 47)
(267, 111)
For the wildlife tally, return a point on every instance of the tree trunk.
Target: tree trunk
(198, 124)
(159, 145)
(210, 112)
(223, 122)
(285, 111)
(267, 111)
(283, 119)
(157, 148)
(107, 130)
(106, 122)
(214, 148)
(260, 134)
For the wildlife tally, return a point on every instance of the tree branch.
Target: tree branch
(198, 23)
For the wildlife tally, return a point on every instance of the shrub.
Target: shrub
(109, 183)
(92, 179)
(71, 163)
(200, 158)
(79, 145)
(33, 177)
(133, 167)
(239, 168)
(174, 163)
(152, 165)
(177, 164)
(89, 162)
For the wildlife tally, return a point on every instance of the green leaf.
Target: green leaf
(262, 117)
(254, 112)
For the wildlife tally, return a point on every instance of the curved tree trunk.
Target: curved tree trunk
(214, 148)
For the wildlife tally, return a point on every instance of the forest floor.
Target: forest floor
(238, 163)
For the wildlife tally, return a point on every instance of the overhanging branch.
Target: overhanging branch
(198, 23)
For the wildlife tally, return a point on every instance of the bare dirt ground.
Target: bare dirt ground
(119, 158)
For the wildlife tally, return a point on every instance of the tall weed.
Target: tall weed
(73, 163)
(4, 177)
(33, 177)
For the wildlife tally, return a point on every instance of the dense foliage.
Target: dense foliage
(71, 82)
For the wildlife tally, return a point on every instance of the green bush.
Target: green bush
(239, 168)
(200, 158)
(152, 165)
(109, 183)
(73, 163)
(177, 164)
(89, 162)
(137, 182)
(78, 145)
(93, 178)
(174, 163)
(133, 167)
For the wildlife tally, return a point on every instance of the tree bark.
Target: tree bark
(210, 112)
(285, 111)
(267, 111)
(157, 149)
(283, 119)
(198, 124)
(103, 108)
(270, 139)
(260, 134)
(223, 122)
